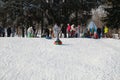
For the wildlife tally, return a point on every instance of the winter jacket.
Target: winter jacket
(68, 28)
(56, 30)
(99, 30)
(30, 30)
(106, 29)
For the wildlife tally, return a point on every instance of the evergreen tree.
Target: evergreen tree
(27, 11)
(113, 9)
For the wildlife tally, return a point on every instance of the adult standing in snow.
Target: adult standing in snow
(106, 31)
(64, 30)
(34, 31)
(2, 31)
(51, 33)
(56, 30)
(99, 32)
(47, 32)
(8, 31)
(78, 31)
(30, 32)
(68, 30)
(13, 31)
(102, 31)
(73, 31)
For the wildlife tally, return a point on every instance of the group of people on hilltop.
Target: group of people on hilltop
(70, 31)
(10, 31)
(73, 31)
(53, 32)
(63, 31)
(97, 33)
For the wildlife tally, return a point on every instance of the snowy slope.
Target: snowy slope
(76, 59)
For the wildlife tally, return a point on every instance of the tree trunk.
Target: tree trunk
(76, 17)
(23, 34)
(42, 24)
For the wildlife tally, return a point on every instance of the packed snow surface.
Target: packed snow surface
(76, 59)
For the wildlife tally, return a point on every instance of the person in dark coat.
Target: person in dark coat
(99, 32)
(13, 31)
(63, 29)
(0, 31)
(34, 31)
(9, 31)
(3, 32)
(47, 32)
(102, 31)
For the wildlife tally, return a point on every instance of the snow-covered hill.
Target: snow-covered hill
(76, 59)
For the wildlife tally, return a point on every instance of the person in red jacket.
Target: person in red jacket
(68, 30)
